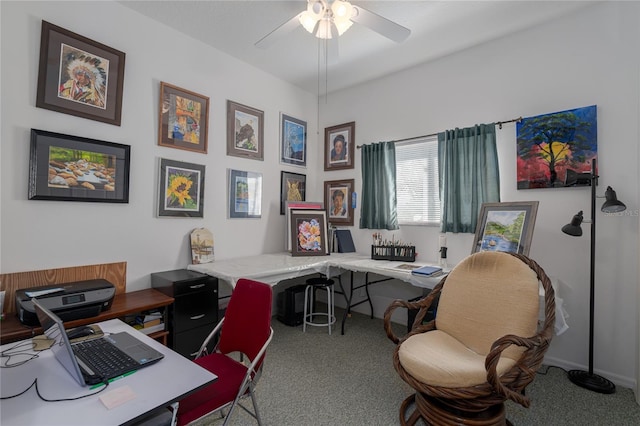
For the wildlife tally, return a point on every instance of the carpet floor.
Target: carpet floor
(314, 378)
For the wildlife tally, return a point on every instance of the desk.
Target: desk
(275, 267)
(155, 386)
(11, 329)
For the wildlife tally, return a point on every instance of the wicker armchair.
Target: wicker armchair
(484, 345)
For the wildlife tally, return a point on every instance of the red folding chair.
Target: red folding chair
(246, 332)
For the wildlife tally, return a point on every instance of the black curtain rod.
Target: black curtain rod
(499, 123)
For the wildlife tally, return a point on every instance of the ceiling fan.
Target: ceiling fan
(326, 18)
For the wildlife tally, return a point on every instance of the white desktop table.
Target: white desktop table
(158, 385)
(275, 267)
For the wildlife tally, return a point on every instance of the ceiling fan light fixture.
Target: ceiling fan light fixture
(342, 25)
(341, 10)
(308, 21)
(316, 8)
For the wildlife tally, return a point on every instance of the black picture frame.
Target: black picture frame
(181, 189)
(63, 53)
(293, 187)
(73, 168)
(505, 227)
(293, 141)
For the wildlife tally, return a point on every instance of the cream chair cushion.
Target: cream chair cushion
(487, 296)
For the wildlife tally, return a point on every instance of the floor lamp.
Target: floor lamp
(587, 379)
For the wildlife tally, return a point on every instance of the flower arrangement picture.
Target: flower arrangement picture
(181, 189)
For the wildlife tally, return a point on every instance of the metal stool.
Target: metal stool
(314, 284)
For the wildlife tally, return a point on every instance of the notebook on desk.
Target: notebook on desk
(429, 271)
(94, 361)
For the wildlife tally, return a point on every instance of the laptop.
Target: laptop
(85, 360)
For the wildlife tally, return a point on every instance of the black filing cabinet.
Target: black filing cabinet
(194, 312)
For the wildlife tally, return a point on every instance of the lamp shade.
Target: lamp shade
(574, 229)
(612, 204)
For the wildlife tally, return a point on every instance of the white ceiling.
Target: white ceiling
(438, 28)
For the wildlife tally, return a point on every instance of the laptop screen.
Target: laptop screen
(54, 330)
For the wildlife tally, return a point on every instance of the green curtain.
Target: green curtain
(379, 204)
(468, 175)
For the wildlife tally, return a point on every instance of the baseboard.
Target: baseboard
(621, 381)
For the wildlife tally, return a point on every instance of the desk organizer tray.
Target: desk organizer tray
(403, 253)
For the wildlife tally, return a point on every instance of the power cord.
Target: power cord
(35, 384)
(17, 350)
(549, 367)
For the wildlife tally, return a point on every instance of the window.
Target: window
(417, 182)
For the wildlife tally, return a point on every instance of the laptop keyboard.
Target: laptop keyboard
(104, 358)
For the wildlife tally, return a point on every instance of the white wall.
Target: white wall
(590, 57)
(51, 234)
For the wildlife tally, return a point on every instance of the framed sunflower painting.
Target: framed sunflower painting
(181, 189)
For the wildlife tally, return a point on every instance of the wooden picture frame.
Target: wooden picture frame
(73, 168)
(292, 188)
(293, 141)
(338, 196)
(297, 205)
(79, 76)
(245, 131)
(181, 189)
(245, 194)
(183, 119)
(505, 227)
(309, 233)
(339, 144)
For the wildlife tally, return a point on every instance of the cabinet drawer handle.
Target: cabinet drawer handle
(197, 317)
(197, 286)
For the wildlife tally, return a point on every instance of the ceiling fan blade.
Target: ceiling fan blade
(379, 24)
(278, 33)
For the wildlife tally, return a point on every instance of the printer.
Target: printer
(69, 301)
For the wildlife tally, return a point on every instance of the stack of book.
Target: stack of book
(429, 271)
(150, 322)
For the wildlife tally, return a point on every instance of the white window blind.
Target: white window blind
(417, 182)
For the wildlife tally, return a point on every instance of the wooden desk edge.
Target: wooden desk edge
(12, 330)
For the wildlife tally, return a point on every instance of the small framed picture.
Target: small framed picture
(245, 194)
(505, 227)
(181, 189)
(293, 141)
(72, 168)
(309, 233)
(292, 188)
(337, 198)
(201, 240)
(339, 144)
(245, 130)
(184, 119)
(79, 76)
(297, 205)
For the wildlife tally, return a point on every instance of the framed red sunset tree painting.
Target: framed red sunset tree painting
(556, 149)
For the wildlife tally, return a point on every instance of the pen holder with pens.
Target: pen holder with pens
(391, 252)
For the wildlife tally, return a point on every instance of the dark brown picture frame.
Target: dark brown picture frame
(180, 189)
(245, 138)
(309, 233)
(63, 53)
(73, 168)
(339, 159)
(289, 192)
(184, 119)
(333, 191)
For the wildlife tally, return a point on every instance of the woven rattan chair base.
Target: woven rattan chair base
(437, 413)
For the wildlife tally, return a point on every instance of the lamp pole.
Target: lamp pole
(587, 379)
